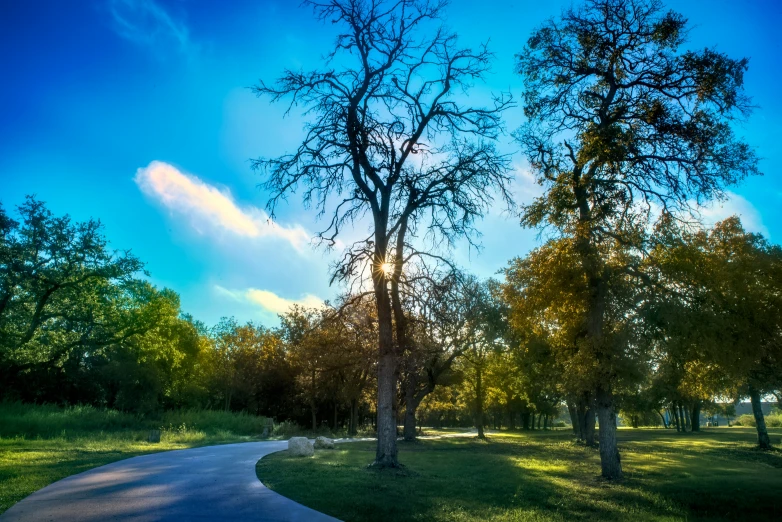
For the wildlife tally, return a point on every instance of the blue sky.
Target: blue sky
(137, 112)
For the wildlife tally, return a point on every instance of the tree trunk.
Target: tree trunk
(410, 420)
(695, 418)
(532, 426)
(352, 426)
(687, 419)
(545, 422)
(387, 377)
(610, 461)
(634, 420)
(681, 417)
(571, 408)
(540, 416)
(587, 420)
(511, 417)
(314, 410)
(662, 418)
(675, 410)
(479, 401)
(525, 421)
(760, 422)
(413, 399)
(335, 416)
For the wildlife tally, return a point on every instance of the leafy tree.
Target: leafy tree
(619, 120)
(548, 298)
(356, 322)
(484, 330)
(392, 137)
(435, 341)
(57, 280)
(730, 279)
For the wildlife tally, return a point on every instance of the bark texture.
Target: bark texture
(479, 420)
(610, 462)
(387, 377)
(695, 418)
(764, 442)
(571, 408)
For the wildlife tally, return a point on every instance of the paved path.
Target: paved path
(210, 483)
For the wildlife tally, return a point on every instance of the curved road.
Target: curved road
(210, 483)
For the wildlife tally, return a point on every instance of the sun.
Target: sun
(387, 268)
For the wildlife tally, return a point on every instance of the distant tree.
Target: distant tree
(435, 340)
(618, 121)
(357, 321)
(484, 328)
(150, 370)
(392, 136)
(733, 314)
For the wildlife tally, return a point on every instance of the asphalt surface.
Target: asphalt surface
(211, 483)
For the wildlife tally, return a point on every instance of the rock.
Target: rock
(300, 447)
(324, 443)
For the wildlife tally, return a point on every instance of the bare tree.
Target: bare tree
(392, 136)
(619, 121)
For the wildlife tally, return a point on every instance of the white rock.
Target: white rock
(324, 443)
(300, 447)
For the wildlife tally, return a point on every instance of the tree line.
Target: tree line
(80, 324)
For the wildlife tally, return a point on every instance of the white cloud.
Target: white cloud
(210, 209)
(144, 22)
(270, 301)
(734, 205)
(274, 303)
(525, 185)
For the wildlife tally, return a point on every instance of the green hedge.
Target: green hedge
(772, 421)
(48, 421)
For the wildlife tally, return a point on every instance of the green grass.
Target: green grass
(714, 475)
(42, 444)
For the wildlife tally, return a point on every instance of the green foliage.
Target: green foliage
(49, 421)
(59, 284)
(78, 326)
(772, 421)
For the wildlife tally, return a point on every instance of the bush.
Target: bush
(49, 421)
(211, 421)
(772, 421)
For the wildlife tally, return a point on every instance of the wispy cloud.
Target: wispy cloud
(270, 301)
(211, 210)
(145, 22)
(738, 206)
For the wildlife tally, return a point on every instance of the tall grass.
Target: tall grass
(50, 421)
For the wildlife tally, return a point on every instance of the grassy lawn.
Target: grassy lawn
(28, 465)
(714, 475)
(42, 444)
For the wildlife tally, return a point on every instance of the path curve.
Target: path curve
(209, 483)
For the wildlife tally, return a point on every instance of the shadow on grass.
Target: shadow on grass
(519, 477)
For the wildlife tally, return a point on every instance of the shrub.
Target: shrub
(50, 421)
(772, 421)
